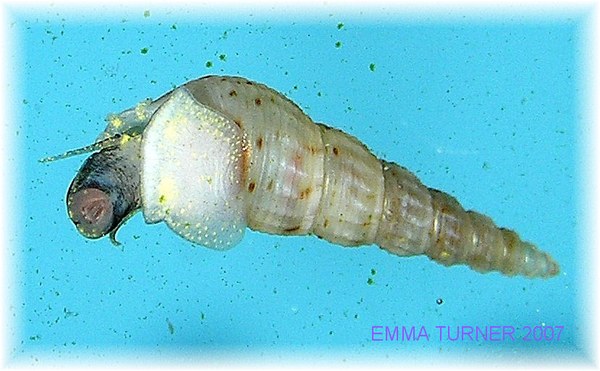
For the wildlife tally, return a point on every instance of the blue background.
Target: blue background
(486, 107)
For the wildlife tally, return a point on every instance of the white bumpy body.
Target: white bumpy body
(299, 178)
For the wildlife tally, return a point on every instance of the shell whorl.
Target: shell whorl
(418, 220)
(312, 179)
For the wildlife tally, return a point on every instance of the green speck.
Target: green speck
(485, 165)
(144, 51)
(173, 26)
(208, 64)
(373, 272)
(202, 316)
(338, 44)
(340, 26)
(370, 281)
(223, 57)
(146, 13)
(69, 313)
(171, 327)
(372, 67)
(161, 199)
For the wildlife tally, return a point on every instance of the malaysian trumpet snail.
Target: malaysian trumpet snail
(219, 154)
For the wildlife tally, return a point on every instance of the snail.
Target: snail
(220, 154)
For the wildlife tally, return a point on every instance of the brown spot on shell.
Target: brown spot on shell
(238, 122)
(259, 142)
(326, 223)
(233, 93)
(249, 83)
(336, 151)
(293, 229)
(305, 193)
(257, 101)
(251, 187)
(270, 185)
(298, 160)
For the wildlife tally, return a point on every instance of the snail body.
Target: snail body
(219, 154)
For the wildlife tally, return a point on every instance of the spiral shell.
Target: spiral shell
(220, 153)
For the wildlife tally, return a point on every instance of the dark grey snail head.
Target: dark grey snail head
(105, 192)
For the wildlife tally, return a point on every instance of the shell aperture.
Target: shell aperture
(192, 170)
